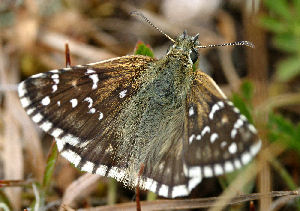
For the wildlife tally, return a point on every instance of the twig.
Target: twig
(277, 204)
(137, 190)
(191, 203)
(67, 55)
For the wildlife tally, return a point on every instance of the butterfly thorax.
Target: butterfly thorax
(153, 114)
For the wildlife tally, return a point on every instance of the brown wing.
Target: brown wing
(220, 139)
(79, 107)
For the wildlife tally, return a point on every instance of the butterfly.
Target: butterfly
(116, 116)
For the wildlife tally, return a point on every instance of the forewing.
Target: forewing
(78, 107)
(220, 139)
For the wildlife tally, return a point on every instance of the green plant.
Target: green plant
(284, 21)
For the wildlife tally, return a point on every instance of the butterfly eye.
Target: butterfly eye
(194, 55)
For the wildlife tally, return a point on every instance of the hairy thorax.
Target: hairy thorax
(156, 110)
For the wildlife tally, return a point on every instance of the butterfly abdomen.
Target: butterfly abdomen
(153, 114)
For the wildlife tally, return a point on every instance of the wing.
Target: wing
(78, 107)
(165, 176)
(220, 139)
(214, 139)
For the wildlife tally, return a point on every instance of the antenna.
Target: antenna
(247, 43)
(136, 13)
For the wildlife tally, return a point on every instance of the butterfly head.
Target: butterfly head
(185, 45)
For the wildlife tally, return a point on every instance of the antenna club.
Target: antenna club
(246, 43)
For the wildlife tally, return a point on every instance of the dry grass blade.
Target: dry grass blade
(57, 41)
(12, 146)
(14, 183)
(191, 203)
(79, 188)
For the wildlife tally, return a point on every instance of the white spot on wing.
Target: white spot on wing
(185, 169)
(252, 128)
(213, 137)
(74, 102)
(205, 130)
(228, 167)
(60, 144)
(237, 164)
(194, 171)
(45, 101)
(238, 124)
(246, 157)
(37, 75)
(37, 118)
(89, 100)
(208, 172)
(236, 110)
(72, 157)
(54, 76)
(122, 94)
(70, 139)
(163, 190)
(92, 111)
(54, 88)
(46, 126)
(223, 144)
(21, 89)
(146, 183)
(30, 111)
(88, 167)
(232, 148)
(215, 108)
(56, 132)
(230, 103)
(191, 111)
(254, 149)
(191, 138)
(233, 133)
(101, 170)
(153, 186)
(95, 80)
(179, 190)
(193, 182)
(218, 169)
(242, 117)
(100, 115)
(116, 173)
(90, 71)
(25, 102)
(221, 104)
(54, 71)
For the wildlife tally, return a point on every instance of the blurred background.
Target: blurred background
(263, 83)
